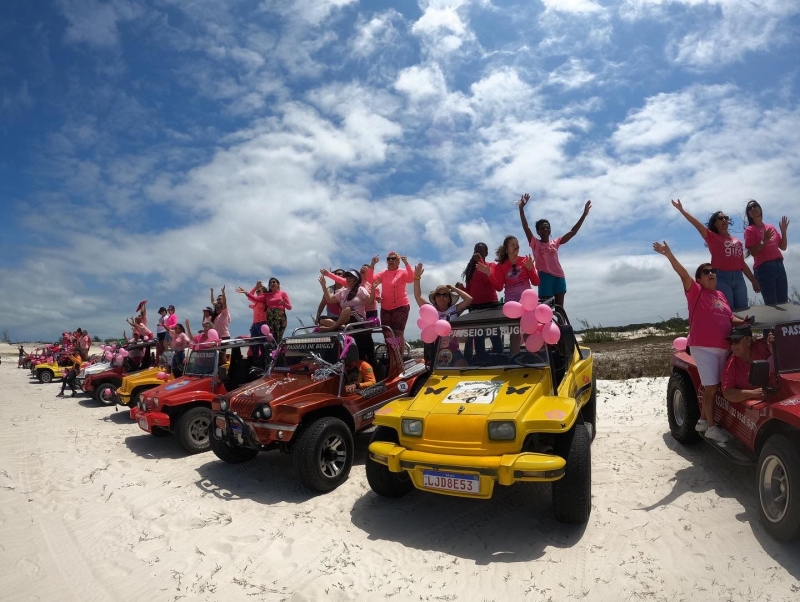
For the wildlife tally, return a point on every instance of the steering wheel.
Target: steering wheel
(518, 356)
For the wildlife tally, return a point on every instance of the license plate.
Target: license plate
(143, 424)
(448, 481)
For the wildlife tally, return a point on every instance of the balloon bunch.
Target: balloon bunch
(112, 353)
(679, 344)
(212, 338)
(430, 324)
(535, 320)
(162, 375)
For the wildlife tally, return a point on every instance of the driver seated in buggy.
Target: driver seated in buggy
(358, 374)
(745, 349)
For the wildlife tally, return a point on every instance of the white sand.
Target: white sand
(92, 508)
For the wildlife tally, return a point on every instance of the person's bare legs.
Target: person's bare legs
(343, 319)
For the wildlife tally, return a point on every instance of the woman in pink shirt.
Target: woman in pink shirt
(170, 322)
(180, 342)
(479, 286)
(765, 244)
(259, 307)
(395, 306)
(545, 252)
(727, 255)
(221, 315)
(513, 273)
(710, 320)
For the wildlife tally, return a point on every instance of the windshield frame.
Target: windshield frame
(194, 352)
(782, 343)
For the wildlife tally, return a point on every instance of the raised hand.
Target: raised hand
(678, 205)
(483, 268)
(528, 263)
(587, 206)
(662, 248)
(768, 234)
(404, 259)
(419, 270)
(523, 200)
(239, 289)
(784, 224)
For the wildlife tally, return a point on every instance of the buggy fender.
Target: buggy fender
(787, 410)
(293, 410)
(551, 414)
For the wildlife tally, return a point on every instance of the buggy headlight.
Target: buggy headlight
(263, 413)
(502, 430)
(223, 405)
(411, 427)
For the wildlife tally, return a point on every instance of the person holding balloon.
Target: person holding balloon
(710, 320)
(513, 274)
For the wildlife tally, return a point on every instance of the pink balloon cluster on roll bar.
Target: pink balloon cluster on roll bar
(430, 324)
(535, 320)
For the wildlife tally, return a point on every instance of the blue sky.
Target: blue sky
(154, 149)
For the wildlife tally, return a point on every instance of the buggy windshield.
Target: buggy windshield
(304, 352)
(787, 347)
(201, 363)
(486, 346)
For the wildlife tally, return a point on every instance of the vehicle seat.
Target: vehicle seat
(381, 370)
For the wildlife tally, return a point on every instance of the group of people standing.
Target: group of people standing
(717, 288)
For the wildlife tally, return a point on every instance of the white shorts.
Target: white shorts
(710, 362)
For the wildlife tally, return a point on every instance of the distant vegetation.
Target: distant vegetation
(607, 334)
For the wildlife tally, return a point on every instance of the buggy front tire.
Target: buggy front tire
(45, 376)
(193, 430)
(323, 454)
(383, 481)
(572, 494)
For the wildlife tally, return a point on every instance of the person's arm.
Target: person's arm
(188, 329)
(367, 376)
(523, 200)
(212, 296)
(334, 277)
(663, 249)
(749, 275)
(224, 298)
(319, 310)
(326, 295)
(690, 218)
(756, 247)
(372, 291)
(496, 276)
(466, 298)
(568, 236)
(143, 312)
(418, 271)
(784, 225)
(742, 395)
(533, 274)
(409, 270)
(371, 270)
(287, 303)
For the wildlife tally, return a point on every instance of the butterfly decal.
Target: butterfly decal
(432, 391)
(519, 391)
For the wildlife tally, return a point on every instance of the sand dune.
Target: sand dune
(92, 508)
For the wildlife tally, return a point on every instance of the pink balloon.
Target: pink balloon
(123, 352)
(421, 323)
(442, 328)
(544, 313)
(528, 323)
(534, 342)
(213, 335)
(428, 334)
(513, 309)
(679, 344)
(551, 333)
(529, 299)
(428, 314)
(161, 375)
(147, 337)
(108, 355)
(264, 330)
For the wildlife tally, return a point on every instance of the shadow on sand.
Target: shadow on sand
(709, 471)
(148, 447)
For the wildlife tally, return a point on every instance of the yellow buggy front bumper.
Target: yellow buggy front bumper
(505, 470)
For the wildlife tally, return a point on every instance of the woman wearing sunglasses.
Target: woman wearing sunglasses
(710, 320)
(765, 244)
(727, 256)
(395, 305)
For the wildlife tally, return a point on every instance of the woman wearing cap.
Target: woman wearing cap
(727, 255)
(545, 252)
(513, 273)
(395, 305)
(744, 349)
(765, 244)
(444, 297)
(710, 320)
(332, 310)
(221, 315)
(352, 299)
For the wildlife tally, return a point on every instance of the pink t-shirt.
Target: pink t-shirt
(143, 330)
(753, 235)
(737, 372)
(259, 306)
(180, 342)
(480, 287)
(394, 283)
(357, 304)
(222, 323)
(545, 255)
(85, 342)
(515, 278)
(709, 317)
(726, 253)
(171, 321)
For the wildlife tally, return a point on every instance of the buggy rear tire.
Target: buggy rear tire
(193, 430)
(45, 376)
(572, 494)
(683, 410)
(779, 487)
(106, 394)
(323, 454)
(383, 481)
(231, 455)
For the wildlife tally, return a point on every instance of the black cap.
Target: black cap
(739, 332)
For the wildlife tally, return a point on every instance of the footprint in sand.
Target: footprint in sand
(29, 566)
(73, 514)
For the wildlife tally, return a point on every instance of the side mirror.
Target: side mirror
(759, 374)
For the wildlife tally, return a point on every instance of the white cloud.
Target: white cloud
(573, 6)
(378, 31)
(421, 83)
(571, 74)
(95, 23)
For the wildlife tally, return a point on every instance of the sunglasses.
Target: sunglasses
(339, 273)
(442, 295)
(707, 271)
(724, 218)
(736, 341)
(392, 258)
